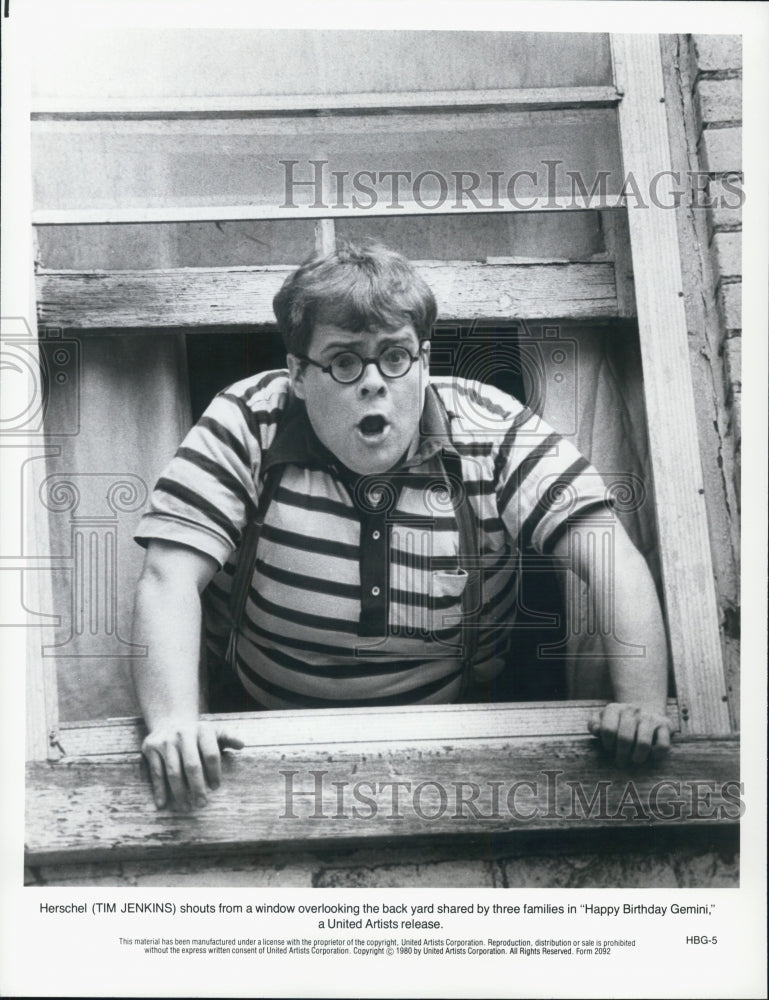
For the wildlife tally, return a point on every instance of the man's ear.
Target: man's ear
(425, 356)
(296, 369)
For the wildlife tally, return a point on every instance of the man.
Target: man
(387, 567)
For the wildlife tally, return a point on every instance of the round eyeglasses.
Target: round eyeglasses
(347, 367)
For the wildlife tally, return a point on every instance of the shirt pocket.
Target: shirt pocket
(449, 584)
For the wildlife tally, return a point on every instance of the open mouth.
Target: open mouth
(372, 427)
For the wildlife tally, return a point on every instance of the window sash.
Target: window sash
(688, 586)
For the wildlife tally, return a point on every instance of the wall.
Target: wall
(682, 858)
(717, 92)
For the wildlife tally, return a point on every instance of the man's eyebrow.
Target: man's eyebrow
(340, 345)
(345, 345)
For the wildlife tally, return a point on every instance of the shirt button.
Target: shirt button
(375, 535)
(375, 591)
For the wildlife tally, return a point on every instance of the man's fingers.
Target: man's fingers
(209, 752)
(211, 743)
(193, 769)
(227, 741)
(630, 734)
(165, 773)
(609, 724)
(183, 760)
(661, 745)
(647, 726)
(157, 775)
(174, 774)
(626, 733)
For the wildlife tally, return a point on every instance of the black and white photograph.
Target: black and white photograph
(372, 428)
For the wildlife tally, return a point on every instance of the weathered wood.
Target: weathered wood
(331, 793)
(716, 442)
(690, 603)
(523, 99)
(325, 237)
(185, 297)
(111, 215)
(192, 132)
(414, 723)
(617, 237)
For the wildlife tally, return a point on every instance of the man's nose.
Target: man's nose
(372, 382)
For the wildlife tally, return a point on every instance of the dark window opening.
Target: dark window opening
(500, 354)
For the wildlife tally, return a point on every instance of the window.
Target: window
(200, 196)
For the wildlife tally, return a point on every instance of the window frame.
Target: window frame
(699, 712)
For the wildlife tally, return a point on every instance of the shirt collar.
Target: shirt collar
(296, 443)
(435, 430)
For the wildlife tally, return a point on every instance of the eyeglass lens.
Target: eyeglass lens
(392, 363)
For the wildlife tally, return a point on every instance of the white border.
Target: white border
(67, 958)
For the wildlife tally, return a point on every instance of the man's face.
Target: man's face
(372, 423)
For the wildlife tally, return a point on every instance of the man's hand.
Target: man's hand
(183, 753)
(631, 734)
(184, 760)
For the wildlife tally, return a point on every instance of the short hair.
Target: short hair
(358, 287)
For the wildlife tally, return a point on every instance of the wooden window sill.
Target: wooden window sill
(327, 778)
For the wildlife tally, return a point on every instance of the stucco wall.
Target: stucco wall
(644, 858)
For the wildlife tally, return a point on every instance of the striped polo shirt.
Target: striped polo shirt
(356, 595)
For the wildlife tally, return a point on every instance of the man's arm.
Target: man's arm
(634, 726)
(183, 753)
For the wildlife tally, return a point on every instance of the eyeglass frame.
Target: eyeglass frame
(365, 362)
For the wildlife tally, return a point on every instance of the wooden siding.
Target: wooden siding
(203, 297)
